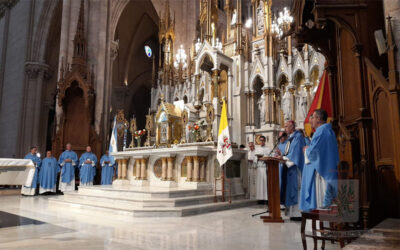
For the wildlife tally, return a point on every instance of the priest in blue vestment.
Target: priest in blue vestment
(107, 163)
(87, 167)
(31, 190)
(48, 174)
(68, 161)
(294, 161)
(320, 174)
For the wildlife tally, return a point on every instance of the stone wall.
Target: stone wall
(13, 54)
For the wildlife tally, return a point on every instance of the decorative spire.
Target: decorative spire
(80, 44)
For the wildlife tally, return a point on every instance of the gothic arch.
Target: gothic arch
(40, 37)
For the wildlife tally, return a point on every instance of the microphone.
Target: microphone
(283, 135)
(277, 142)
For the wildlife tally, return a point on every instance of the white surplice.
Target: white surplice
(261, 180)
(252, 173)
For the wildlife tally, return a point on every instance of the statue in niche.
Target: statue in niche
(286, 106)
(261, 108)
(260, 20)
(303, 104)
(234, 17)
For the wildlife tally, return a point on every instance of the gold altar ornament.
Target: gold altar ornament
(121, 123)
(209, 119)
(132, 129)
(168, 124)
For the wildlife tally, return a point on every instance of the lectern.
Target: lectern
(273, 190)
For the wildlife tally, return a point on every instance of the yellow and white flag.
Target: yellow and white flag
(224, 147)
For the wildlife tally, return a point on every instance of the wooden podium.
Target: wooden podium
(273, 190)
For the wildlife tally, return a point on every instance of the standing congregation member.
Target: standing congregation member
(294, 162)
(48, 174)
(252, 171)
(87, 167)
(261, 180)
(319, 184)
(31, 190)
(68, 160)
(107, 163)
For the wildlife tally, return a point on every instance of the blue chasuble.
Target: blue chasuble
(295, 154)
(48, 173)
(324, 158)
(281, 147)
(87, 171)
(107, 169)
(68, 168)
(37, 161)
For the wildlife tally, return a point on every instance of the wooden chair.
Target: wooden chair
(336, 232)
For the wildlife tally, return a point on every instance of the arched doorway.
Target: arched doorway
(132, 72)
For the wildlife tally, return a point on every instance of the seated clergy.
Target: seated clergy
(31, 190)
(87, 167)
(68, 160)
(107, 163)
(48, 174)
(320, 174)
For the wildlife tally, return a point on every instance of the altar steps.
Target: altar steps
(147, 203)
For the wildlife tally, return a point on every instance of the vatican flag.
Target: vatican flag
(224, 148)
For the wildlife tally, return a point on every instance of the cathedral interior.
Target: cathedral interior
(73, 70)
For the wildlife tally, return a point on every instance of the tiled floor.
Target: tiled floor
(66, 228)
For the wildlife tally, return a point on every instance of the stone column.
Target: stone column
(164, 168)
(293, 98)
(196, 172)
(170, 168)
(274, 101)
(252, 96)
(137, 169)
(248, 109)
(203, 161)
(197, 86)
(143, 169)
(267, 105)
(309, 98)
(189, 168)
(119, 161)
(124, 165)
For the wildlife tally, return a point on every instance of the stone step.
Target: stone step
(151, 211)
(141, 192)
(146, 202)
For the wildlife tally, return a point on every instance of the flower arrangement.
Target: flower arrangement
(194, 129)
(139, 133)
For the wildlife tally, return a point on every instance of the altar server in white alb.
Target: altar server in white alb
(31, 189)
(261, 180)
(68, 160)
(48, 174)
(87, 167)
(252, 171)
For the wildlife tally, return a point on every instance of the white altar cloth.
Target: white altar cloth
(16, 171)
